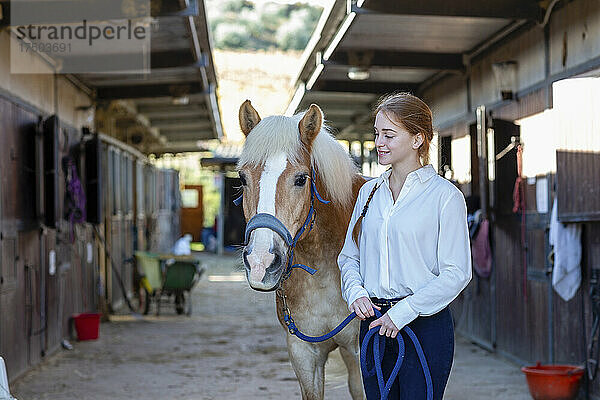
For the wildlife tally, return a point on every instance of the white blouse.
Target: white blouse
(417, 246)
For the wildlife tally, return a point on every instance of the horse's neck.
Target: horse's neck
(326, 238)
(319, 249)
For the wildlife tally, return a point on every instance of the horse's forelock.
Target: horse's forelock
(277, 134)
(272, 136)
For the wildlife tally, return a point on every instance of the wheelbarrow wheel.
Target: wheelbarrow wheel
(143, 303)
(188, 312)
(179, 303)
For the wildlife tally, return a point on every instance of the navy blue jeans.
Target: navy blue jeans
(436, 335)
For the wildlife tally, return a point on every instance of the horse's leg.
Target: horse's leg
(351, 357)
(308, 361)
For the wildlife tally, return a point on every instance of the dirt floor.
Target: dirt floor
(232, 347)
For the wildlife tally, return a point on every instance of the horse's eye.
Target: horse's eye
(243, 180)
(300, 180)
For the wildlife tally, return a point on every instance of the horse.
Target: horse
(281, 159)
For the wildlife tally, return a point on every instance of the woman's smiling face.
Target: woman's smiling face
(393, 142)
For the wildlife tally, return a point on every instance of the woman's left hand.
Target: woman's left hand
(387, 326)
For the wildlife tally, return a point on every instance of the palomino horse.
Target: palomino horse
(276, 169)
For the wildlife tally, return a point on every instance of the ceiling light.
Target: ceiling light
(183, 100)
(358, 73)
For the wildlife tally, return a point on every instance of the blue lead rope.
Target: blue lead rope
(384, 386)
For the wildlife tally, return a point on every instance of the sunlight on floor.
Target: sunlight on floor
(227, 278)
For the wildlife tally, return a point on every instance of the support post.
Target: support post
(482, 153)
(221, 218)
(362, 156)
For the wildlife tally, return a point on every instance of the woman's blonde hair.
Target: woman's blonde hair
(415, 116)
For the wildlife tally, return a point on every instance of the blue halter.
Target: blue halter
(264, 220)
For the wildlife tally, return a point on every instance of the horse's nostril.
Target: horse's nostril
(275, 264)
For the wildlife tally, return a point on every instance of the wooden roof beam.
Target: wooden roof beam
(53, 12)
(148, 90)
(186, 124)
(399, 59)
(363, 86)
(187, 135)
(124, 62)
(150, 110)
(176, 147)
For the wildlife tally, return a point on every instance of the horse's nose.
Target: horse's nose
(257, 262)
(264, 270)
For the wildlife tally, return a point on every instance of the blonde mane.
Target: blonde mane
(276, 134)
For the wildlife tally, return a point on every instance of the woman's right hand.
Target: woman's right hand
(363, 307)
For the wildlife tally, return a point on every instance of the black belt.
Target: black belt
(386, 302)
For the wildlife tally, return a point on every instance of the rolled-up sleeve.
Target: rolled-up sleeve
(349, 261)
(454, 261)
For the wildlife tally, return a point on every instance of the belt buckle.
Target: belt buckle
(386, 303)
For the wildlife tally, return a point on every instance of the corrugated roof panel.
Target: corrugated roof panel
(420, 33)
(164, 75)
(380, 74)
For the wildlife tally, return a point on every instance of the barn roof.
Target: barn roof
(171, 104)
(397, 46)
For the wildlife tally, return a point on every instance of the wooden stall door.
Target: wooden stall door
(539, 271)
(192, 211)
(127, 224)
(29, 261)
(577, 177)
(473, 310)
(523, 316)
(13, 344)
(139, 211)
(17, 213)
(114, 237)
(235, 222)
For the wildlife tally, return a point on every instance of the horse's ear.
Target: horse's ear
(249, 118)
(310, 125)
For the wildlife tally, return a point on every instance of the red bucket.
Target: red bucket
(553, 382)
(87, 325)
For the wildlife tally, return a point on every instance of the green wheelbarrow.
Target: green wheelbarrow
(168, 275)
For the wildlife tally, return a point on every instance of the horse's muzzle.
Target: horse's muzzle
(260, 278)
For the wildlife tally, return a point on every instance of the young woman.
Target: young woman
(407, 250)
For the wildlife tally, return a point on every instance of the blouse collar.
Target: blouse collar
(424, 174)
